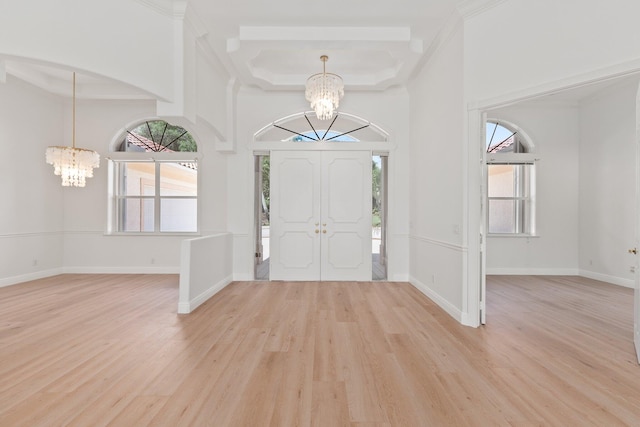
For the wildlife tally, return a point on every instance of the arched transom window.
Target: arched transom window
(305, 127)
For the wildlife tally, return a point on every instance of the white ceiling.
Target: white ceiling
(276, 45)
(372, 44)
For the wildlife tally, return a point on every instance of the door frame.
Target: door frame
(636, 289)
(378, 147)
(474, 274)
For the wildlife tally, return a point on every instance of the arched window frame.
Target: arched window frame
(511, 185)
(174, 204)
(366, 134)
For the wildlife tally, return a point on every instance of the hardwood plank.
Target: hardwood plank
(111, 350)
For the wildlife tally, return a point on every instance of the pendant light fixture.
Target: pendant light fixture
(73, 164)
(323, 91)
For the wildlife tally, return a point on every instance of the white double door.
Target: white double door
(320, 215)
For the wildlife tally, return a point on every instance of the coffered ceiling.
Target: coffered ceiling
(372, 44)
(276, 45)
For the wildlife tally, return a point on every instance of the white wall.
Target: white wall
(31, 217)
(96, 37)
(206, 268)
(522, 46)
(539, 47)
(257, 108)
(437, 157)
(87, 248)
(554, 130)
(63, 229)
(607, 184)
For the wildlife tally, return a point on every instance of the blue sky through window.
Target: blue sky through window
(501, 133)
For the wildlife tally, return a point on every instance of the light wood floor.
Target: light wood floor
(90, 350)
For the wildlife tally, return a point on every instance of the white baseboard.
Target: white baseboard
(435, 297)
(8, 281)
(186, 307)
(243, 277)
(627, 283)
(533, 271)
(123, 270)
(399, 278)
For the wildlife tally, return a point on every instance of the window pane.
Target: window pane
(180, 215)
(136, 215)
(502, 180)
(137, 179)
(178, 179)
(502, 216)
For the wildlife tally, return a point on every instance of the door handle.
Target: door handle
(324, 231)
(633, 251)
(317, 231)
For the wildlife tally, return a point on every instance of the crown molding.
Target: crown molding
(470, 8)
(170, 8)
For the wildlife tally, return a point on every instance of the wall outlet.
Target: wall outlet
(34, 262)
(632, 269)
(153, 260)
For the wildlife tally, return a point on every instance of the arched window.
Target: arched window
(154, 172)
(305, 127)
(510, 180)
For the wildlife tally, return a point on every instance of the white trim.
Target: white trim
(529, 271)
(451, 26)
(188, 306)
(620, 281)
(16, 280)
(471, 8)
(604, 74)
(439, 300)
(122, 270)
(34, 234)
(452, 246)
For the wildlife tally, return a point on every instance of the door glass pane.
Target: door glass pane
(178, 179)
(179, 215)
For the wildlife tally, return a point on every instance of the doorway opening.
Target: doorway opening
(379, 215)
(379, 211)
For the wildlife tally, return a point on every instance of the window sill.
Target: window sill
(513, 235)
(155, 234)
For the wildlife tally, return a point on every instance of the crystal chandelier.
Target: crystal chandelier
(73, 164)
(324, 91)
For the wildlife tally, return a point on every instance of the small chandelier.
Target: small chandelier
(324, 91)
(73, 164)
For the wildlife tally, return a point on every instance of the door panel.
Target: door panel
(321, 215)
(295, 211)
(346, 211)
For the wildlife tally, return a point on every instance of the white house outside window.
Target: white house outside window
(510, 182)
(154, 181)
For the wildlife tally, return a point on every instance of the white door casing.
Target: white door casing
(320, 215)
(636, 292)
